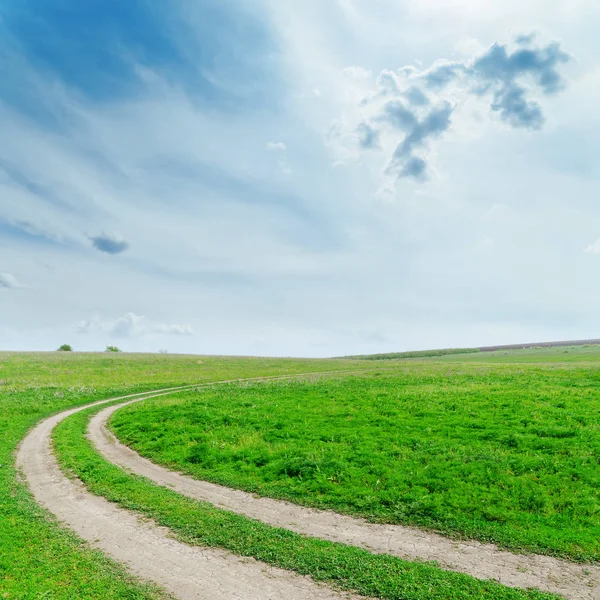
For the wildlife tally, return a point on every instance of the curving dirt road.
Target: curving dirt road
(484, 561)
(187, 572)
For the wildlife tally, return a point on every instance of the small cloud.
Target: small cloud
(174, 329)
(500, 213)
(405, 163)
(88, 325)
(130, 325)
(525, 40)
(367, 136)
(414, 167)
(486, 243)
(594, 248)
(276, 146)
(109, 243)
(9, 281)
(356, 72)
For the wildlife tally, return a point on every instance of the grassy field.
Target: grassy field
(415, 354)
(562, 354)
(199, 523)
(520, 437)
(39, 559)
(482, 448)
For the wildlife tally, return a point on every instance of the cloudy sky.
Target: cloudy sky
(308, 178)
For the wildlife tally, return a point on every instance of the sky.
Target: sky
(315, 178)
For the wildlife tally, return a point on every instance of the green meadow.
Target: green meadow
(474, 447)
(500, 447)
(38, 558)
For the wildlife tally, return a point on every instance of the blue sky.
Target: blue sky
(298, 178)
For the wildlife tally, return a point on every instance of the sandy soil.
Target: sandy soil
(484, 561)
(146, 549)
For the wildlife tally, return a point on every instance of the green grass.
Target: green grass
(562, 354)
(508, 453)
(199, 523)
(579, 353)
(38, 558)
(415, 354)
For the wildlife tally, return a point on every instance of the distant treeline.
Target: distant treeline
(415, 354)
(541, 345)
(443, 352)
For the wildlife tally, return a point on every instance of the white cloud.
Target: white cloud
(130, 325)
(9, 281)
(594, 248)
(276, 146)
(356, 72)
(279, 148)
(174, 329)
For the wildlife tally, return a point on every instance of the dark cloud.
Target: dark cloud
(508, 76)
(525, 40)
(498, 65)
(404, 161)
(9, 281)
(515, 110)
(439, 77)
(368, 137)
(395, 113)
(387, 83)
(416, 96)
(110, 244)
(414, 167)
(501, 71)
(503, 74)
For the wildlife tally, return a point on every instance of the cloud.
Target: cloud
(594, 248)
(417, 105)
(368, 137)
(500, 72)
(9, 281)
(109, 243)
(131, 325)
(356, 72)
(276, 146)
(416, 96)
(174, 329)
(279, 148)
(405, 162)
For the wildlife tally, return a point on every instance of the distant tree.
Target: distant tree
(112, 349)
(163, 351)
(65, 348)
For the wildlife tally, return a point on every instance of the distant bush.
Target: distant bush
(65, 348)
(112, 349)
